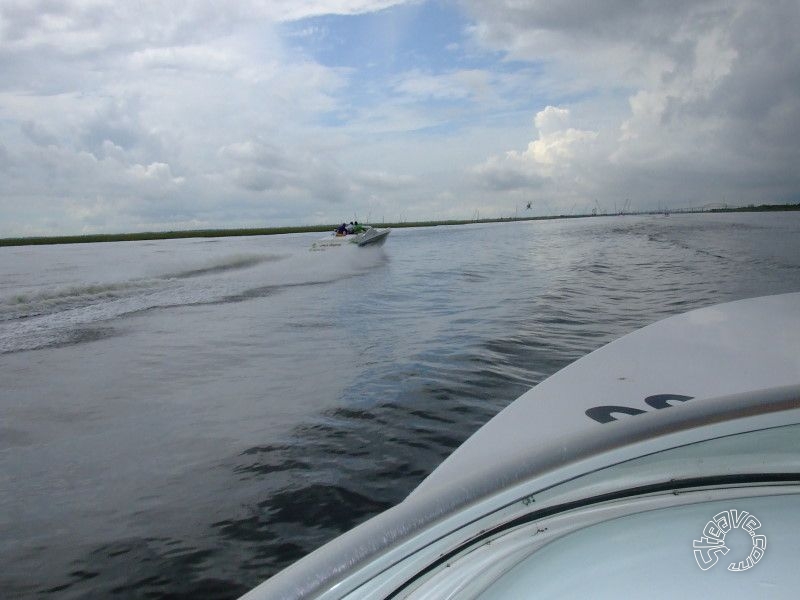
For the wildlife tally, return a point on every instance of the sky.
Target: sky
(120, 116)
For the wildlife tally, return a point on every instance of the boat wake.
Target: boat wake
(60, 298)
(56, 315)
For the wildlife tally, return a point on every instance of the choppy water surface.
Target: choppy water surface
(184, 418)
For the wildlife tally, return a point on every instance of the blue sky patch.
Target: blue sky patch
(417, 36)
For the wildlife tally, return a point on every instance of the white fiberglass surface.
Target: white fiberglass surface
(652, 555)
(685, 359)
(733, 463)
(773, 450)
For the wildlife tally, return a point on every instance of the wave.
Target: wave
(71, 314)
(229, 264)
(59, 299)
(24, 305)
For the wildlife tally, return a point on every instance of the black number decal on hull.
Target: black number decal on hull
(605, 414)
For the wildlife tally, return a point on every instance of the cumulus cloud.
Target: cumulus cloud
(193, 57)
(283, 173)
(549, 156)
(76, 27)
(254, 152)
(510, 173)
(158, 172)
(155, 110)
(292, 10)
(5, 159)
(557, 143)
(383, 181)
(38, 134)
(698, 92)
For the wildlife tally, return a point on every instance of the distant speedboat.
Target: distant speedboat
(663, 464)
(371, 236)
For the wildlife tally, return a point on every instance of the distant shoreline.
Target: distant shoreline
(209, 233)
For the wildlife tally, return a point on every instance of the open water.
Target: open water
(183, 418)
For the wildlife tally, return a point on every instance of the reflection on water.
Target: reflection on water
(189, 437)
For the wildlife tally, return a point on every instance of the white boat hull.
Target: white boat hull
(370, 237)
